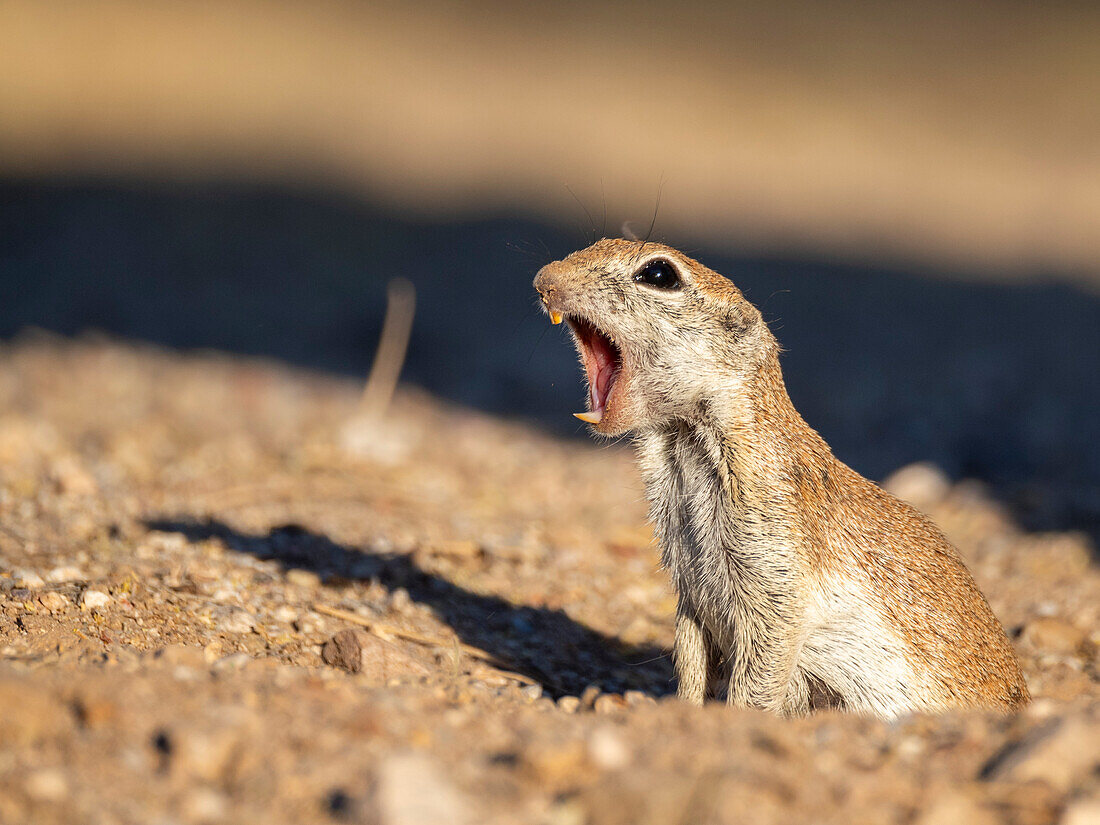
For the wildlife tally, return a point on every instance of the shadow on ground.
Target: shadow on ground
(990, 380)
(564, 655)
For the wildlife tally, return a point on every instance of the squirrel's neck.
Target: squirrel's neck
(724, 493)
(747, 454)
(764, 439)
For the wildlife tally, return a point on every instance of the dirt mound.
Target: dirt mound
(226, 597)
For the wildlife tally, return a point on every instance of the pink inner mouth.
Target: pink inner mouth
(602, 362)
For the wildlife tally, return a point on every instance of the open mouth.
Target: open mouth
(603, 362)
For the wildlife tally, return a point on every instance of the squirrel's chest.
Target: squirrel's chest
(710, 542)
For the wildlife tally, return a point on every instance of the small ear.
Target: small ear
(734, 319)
(737, 313)
(628, 231)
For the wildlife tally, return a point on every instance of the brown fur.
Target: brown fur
(801, 582)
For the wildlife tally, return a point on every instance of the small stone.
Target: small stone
(1043, 707)
(462, 549)
(532, 692)
(636, 698)
(303, 578)
(40, 717)
(1054, 636)
(1082, 812)
(345, 650)
(285, 614)
(608, 703)
(61, 575)
(53, 601)
(28, 579)
(213, 651)
(225, 595)
(94, 599)
(94, 710)
(923, 485)
(181, 656)
(400, 599)
(1059, 753)
(308, 625)
(607, 749)
(570, 812)
(956, 808)
(569, 704)
(71, 477)
(589, 696)
(208, 754)
(412, 790)
(557, 765)
(236, 620)
(910, 747)
(47, 785)
(233, 662)
(204, 805)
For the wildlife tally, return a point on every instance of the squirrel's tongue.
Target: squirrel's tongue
(601, 364)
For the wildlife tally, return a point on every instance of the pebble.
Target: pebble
(400, 599)
(208, 754)
(233, 662)
(72, 478)
(557, 765)
(532, 692)
(28, 579)
(1054, 636)
(60, 575)
(589, 696)
(570, 812)
(607, 749)
(636, 698)
(40, 718)
(53, 601)
(956, 808)
(345, 650)
(285, 614)
(47, 785)
(309, 625)
(204, 805)
(910, 747)
(1082, 812)
(93, 599)
(923, 485)
(181, 655)
(1042, 707)
(413, 790)
(237, 621)
(303, 578)
(1059, 753)
(569, 704)
(608, 703)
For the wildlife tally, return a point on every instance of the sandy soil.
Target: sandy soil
(181, 539)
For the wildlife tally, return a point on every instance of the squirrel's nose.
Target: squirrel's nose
(546, 284)
(547, 296)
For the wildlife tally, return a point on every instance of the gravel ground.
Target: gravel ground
(225, 596)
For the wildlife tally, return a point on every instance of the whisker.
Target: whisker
(591, 222)
(536, 344)
(656, 207)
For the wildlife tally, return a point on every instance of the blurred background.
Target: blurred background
(911, 192)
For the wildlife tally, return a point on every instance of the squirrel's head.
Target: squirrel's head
(658, 333)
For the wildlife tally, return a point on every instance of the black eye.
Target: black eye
(658, 273)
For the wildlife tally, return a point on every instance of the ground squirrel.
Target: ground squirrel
(801, 583)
